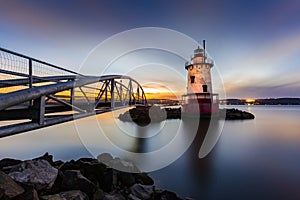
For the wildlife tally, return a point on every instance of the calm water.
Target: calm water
(253, 159)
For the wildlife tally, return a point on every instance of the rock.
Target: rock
(132, 197)
(29, 194)
(35, 172)
(9, 187)
(167, 195)
(235, 114)
(74, 180)
(57, 186)
(46, 157)
(104, 158)
(164, 195)
(143, 115)
(57, 164)
(123, 165)
(157, 114)
(143, 179)
(93, 170)
(114, 196)
(90, 168)
(98, 195)
(173, 113)
(1, 193)
(141, 191)
(126, 179)
(139, 115)
(7, 162)
(107, 182)
(68, 195)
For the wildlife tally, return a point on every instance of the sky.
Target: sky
(255, 44)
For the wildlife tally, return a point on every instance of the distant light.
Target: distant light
(250, 100)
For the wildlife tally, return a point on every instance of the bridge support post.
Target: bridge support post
(38, 111)
(130, 92)
(121, 95)
(30, 78)
(107, 83)
(72, 96)
(112, 93)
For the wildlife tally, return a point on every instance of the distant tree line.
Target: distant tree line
(268, 101)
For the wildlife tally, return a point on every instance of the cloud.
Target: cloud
(273, 64)
(284, 90)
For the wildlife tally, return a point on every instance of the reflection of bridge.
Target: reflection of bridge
(36, 94)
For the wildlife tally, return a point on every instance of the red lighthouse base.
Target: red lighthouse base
(200, 105)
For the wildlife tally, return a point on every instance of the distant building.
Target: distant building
(200, 98)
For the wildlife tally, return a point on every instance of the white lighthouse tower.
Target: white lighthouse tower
(200, 98)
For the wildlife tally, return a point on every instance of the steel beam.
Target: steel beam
(112, 93)
(20, 96)
(38, 110)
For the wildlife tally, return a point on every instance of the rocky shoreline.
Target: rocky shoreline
(84, 179)
(235, 114)
(143, 115)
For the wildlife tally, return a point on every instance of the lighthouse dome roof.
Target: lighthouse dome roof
(198, 52)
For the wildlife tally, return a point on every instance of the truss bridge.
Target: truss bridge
(35, 94)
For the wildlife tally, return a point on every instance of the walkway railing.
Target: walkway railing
(41, 94)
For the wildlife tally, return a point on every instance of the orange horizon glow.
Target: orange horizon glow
(162, 95)
(157, 91)
(250, 100)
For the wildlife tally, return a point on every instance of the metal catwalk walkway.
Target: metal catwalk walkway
(36, 94)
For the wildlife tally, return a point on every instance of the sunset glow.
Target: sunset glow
(250, 100)
(160, 92)
(67, 40)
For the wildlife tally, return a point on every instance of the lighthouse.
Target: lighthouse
(200, 99)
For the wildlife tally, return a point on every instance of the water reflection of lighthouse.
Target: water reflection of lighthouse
(200, 98)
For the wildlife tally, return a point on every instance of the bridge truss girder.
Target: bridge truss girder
(36, 94)
(66, 99)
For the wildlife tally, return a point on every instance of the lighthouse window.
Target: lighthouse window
(192, 79)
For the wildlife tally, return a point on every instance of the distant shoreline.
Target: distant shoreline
(235, 101)
(267, 101)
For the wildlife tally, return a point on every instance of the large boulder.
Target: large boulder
(165, 195)
(108, 180)
(118, 164)
(93, 170)
(141, 191)
(68, 195)
(8, 187)
(105, 158)
(116, 195)
(98, 195)
(8, 162)
(126, 179)
(35, 172)
(74, 180)
(123, 165)
(47, 157)
(143, 179)
(89, 168)
(29, 194)
(1, 193)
